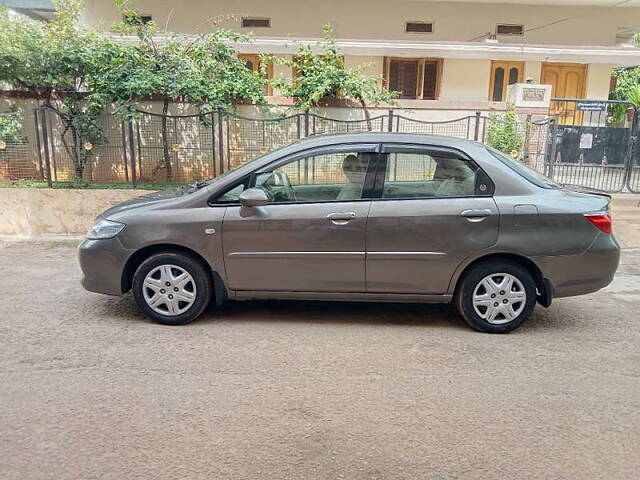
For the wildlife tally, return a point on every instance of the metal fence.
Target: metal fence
(43, 145)
(589, 149)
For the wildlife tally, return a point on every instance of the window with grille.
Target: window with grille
(417, 78)
(254, 22)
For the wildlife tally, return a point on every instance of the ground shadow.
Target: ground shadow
(294, 312)
(300, 311)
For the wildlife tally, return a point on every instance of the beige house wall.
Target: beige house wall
(598, 81)
(465, 80)
(372, 66)
(462, 80)
(379, 19)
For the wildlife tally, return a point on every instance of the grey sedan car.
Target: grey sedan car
(376, 217)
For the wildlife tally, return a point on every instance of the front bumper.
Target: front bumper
(581, 274)
(102, 263)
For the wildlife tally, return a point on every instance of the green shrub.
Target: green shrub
(503, 133)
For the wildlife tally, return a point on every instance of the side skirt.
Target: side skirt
(339, 296)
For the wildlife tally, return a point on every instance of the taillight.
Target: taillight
(601, 220)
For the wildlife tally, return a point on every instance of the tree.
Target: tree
(322, 75)
(202, 70)
(52, 59)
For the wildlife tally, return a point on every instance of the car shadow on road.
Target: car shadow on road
(317, 312)
(297, 311)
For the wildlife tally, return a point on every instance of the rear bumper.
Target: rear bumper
(102, 263)
(573, 275)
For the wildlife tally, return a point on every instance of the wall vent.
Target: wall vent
(418, 27)
(253, 22)
(504, 29)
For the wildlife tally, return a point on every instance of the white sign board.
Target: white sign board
(586, 140)
(531, 95)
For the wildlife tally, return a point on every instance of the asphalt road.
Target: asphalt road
(89, 389)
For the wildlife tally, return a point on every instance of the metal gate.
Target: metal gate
(586, 148)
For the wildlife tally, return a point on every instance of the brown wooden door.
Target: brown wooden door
(567, 80)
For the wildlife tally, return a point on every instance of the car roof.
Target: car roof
(380, 137)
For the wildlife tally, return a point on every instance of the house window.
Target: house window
(417, 78)
(252, 61)
(504, 74)
(254, 22)
(418, 27)
(137, 19)
(504, 29)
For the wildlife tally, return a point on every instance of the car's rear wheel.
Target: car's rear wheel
(496, 297)
(172, 288)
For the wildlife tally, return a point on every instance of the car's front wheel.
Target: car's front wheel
(172, 288)
(496, 297)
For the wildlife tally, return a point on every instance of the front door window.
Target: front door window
(326, 177)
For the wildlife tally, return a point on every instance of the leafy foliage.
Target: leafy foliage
(11, 129)
(503, 133)
(627, 89)
(53, 59)
(323, 74)
(204, 70)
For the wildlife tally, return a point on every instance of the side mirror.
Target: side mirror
(253, 197)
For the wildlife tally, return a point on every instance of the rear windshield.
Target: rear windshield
(524, 171)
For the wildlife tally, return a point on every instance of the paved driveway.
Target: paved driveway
(89, 389)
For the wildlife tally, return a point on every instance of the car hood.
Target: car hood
(142, 201)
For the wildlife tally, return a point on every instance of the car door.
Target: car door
(311, 234)
(435, 208)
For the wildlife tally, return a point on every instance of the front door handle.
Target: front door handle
(341, 218)
(476, 214)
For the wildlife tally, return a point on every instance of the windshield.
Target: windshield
(192, 187)
(244, 165)
(523, 170)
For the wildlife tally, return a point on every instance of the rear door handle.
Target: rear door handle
(340, 218)
(476, 214)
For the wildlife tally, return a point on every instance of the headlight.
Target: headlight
(105, 229)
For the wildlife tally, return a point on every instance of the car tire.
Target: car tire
(496, 296)
(172, 288)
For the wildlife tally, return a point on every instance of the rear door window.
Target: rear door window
(423, 174)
